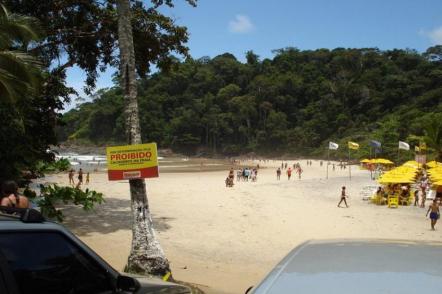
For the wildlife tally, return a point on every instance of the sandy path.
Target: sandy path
(229, 238)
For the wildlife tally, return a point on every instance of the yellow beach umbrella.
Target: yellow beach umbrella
(365, 160)
(382, 161)
(434, 164)
(411, 163)
(395, 181)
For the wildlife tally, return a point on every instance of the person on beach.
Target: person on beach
(343, 196)
(289, 173)
(416, 197)
(299, 172)
(238, 175)
(246, 174)
(10, 196)
(80, 178)
(231, 174)
(87, 178)
(229, 182)
(278, 174)
(320, 163)
(434, 214)
(424, 193)
(254, 175)
(71, 177)
(333, 166)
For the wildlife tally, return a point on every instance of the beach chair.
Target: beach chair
(393, 202)
(403, 201)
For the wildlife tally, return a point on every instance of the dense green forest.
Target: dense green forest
(291, 104)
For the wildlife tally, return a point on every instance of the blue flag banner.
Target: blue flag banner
(375, 144)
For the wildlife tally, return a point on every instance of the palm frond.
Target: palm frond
(19, 71)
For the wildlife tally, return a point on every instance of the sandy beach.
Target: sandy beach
(227, 239)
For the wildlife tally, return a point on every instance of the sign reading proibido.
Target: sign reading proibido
(132, 162)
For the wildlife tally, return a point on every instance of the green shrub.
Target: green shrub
(51, 195)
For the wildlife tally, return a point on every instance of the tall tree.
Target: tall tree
(146, 254)
(433, 134)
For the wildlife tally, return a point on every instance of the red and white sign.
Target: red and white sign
(132, 162)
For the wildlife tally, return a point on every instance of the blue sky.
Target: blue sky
(236, 26)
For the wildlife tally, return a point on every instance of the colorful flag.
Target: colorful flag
(353, 145)
(375, 144)
(416, 148)
(333, 146)
(403, 145)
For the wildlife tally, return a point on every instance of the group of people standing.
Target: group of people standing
(247, 174)
(79, 177)
(296, 168)
(244, 174)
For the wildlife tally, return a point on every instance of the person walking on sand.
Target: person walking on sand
(343, 196)
(87, 178)
(289, 173)
(299, 172)
(71, 177)
(278, 174)
(231, 174)
(434, 214)
(80, 177)
(424, 193)
(416, 197)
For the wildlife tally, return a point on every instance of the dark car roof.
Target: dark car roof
(11, 223)
(357, 266)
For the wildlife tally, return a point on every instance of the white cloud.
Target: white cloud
(241, 24)
(434, 35)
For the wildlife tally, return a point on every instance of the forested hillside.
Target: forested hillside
(291, 104)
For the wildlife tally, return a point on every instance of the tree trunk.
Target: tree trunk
(146, 256)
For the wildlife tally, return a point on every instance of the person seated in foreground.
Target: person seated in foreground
(229, 182)
(10, 196)
(381, 195)
(403, 196)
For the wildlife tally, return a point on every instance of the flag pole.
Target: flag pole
(328, 158)
(349, 165)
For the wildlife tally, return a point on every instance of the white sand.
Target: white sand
(229, 238)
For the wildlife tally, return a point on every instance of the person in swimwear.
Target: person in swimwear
(343, 196)
(434, 214)
(10, 197)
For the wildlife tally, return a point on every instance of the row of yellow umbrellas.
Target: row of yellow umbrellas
(399, 175)
(377, 161)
